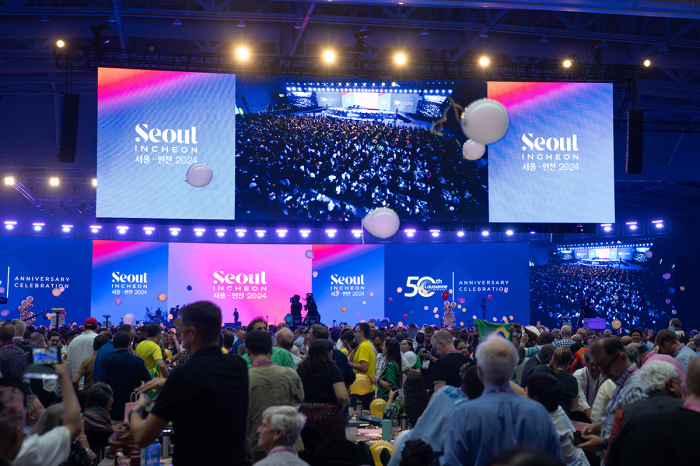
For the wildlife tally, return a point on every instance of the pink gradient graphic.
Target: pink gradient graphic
(515, 95)
(118, 86)
(286, 272)
(105, 252)
(326, 255)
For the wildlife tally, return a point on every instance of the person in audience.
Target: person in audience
(13, 359)
(174, 346)
(345, 339)
(610, 356)
(325, 393)
(38, 339)
(672, 440)
(81, 347)
(205, 435)
(34, 411)
(676, 326)
(540, 359)
(413, 401)
(461, 346)
(278, 432)
(427, 354)
(565, 341)
(19, 341)
(378, 339)
(53, 447)
(87, 366)
(416, 453)
(642, 351)
(363, 361)
(12, 416)
(546, 390)
(589, 380)
(269, 385)
(696, 342)
(285, 339)
(280, 356)
(558, 367)
(123, 372)
(80, 453)
(149, 350)
(499, 418)
(410, 355)
(228, 336)
(446, 368)
(669, 344)
(108, 348)
(141, 335)
(391, 373)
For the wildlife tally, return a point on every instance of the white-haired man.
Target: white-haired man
(499, 418)
(280, 429)
(566, 340)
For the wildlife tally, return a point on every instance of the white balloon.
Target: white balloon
(129, 318)
(315, 274)
(381, 222)
(472, 150)
(309, 254)
(485, 121)
(649, 254)
(411, 358)
(199, 175)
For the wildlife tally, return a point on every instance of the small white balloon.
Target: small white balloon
(381, 222)
(129, 318)
(315, 274)
(649, 254)
(199, 175)
(472, 150)
(485, 121)
(309, 254)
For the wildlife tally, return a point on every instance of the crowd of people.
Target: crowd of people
(321, 168)
(635, 296)
(271, 395)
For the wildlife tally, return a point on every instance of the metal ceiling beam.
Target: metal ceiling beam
(476, 37)
(300, 33)
(688, 28)
(118, 20)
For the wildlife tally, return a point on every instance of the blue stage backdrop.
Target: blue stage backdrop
(34, 267)
(416, 276)
(127, 277)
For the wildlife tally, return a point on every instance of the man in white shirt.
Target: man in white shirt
(280, 429)
(589, 381)
(81, 347)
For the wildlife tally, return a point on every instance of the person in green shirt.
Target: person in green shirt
(391, 374)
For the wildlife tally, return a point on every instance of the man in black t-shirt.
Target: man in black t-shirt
(207, 399)
(427, 355)
(446, 368)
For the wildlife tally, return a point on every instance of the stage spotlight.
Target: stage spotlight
(9, 180)
(647, 63)
(174, 231)
(53, 181)
(199, 231)
(484, 61)
(94, 182)
(260, 233)
(567, 63)
(356, 233)
(10, 225)
(435, 233)
(410, 232)
(122, 229)
(45, 19)
(331, 233)
(242, 53)
(60, 43)
(177, 21)
(485, 233)
(400, 58)
(95, 228)
(305, 233)
(240, 232)
(220, 232)
(66, 228)
(424, 32)
(632, 225)
(329, 56)
(281, 233)
(606, 227)
(658, 223)
(38, 226)
(240, 24)
(151, 48)
(460, 233)
(509, 232)
(148, 230)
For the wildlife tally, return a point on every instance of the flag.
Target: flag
(487, 328)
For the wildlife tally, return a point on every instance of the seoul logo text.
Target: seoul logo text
(169, 140)
(347, 283)
(224, 281)
(550, 148)
(130, 280)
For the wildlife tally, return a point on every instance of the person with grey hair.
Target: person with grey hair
(280, 429)
(38, 339)
(632, 355)
(566, 340)
(499, 418)
(80, 453)
(607, 333)
(446, 369)
(285, 340)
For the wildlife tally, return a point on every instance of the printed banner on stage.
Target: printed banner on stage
(36, 267)
(555, 163)
(419, 279)
(153, 127)
(348, 282)
(127, 277)
(254, 280)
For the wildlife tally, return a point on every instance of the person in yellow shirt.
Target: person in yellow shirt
(149, 350)
(363, 360)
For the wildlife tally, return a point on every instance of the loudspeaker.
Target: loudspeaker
(635, 141)
(68, 127)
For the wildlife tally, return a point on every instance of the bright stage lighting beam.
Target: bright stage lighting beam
(484, 61)
(329, 56)
(400, 58)
(242, 53)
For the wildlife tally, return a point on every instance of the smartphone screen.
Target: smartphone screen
(45, 356)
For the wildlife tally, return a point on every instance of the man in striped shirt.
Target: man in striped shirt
(566, 340)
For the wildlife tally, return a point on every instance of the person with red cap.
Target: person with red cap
(81, 347)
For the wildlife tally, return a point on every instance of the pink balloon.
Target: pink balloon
(357, 315)
(5, 313)
(118, 300)
(667, 276)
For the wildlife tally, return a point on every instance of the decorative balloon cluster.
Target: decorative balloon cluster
(24, 310)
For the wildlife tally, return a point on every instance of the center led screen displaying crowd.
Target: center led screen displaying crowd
(281, 148)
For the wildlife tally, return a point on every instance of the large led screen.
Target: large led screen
(152, 127)
(555, 163)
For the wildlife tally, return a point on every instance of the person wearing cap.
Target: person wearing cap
(81, 347)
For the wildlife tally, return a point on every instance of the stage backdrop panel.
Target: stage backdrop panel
(127, 277)
(417, 275)
(257, 280)
(555, 163)
(348, 282)
(152, 126)
(35, 266)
